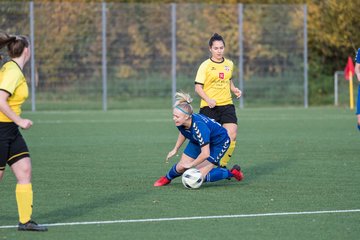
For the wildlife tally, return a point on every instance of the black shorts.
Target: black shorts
(12, 145)
(221, 114)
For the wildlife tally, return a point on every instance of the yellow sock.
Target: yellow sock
(24, 199)
(226, 158)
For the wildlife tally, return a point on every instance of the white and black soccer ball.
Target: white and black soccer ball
(192, 178)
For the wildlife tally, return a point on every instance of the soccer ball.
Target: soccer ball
(192, 178)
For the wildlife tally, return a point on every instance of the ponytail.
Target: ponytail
(15, 44)
(183, 103)
(5, 39)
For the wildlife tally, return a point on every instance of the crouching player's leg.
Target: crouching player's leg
(175, 171)
(212, 174)
(191, 152)
(209, 173)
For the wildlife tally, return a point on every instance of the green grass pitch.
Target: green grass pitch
(91, 166)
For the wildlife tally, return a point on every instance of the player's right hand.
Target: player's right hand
(170, 155)
(211, 103)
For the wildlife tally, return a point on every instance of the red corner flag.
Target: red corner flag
(349, 72)
(349, 69)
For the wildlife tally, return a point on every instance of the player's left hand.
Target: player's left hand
(237, 92)
(25, 123)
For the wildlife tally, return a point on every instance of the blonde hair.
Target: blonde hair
(183, 103)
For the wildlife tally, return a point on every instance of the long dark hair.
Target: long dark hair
(15, 44)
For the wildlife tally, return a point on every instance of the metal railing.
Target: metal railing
(100, 55)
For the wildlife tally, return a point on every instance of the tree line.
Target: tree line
(68, 36)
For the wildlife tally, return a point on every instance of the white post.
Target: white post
(336, 99)
(104, 53)
(32, 49)
(173, 50)
(306, 104)
(336, 87)
(241, 52)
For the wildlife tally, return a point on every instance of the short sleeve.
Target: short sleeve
(201, 74)
(10, 80)
(231, 68)
(357, 58)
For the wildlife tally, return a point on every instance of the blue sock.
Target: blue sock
(359, 127)
(217, 174)
(173, 173)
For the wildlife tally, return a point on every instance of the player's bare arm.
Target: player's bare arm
(5, 108)
(181, 139)
(357, 71)
(200, 91)
(236, 91)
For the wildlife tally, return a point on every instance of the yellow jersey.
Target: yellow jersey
(215, 78)
(12, 80)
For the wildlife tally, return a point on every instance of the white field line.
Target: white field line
(195, 218)
(101, 121)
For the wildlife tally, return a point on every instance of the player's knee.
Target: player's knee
(232, 133)
(180, 168)
(22, 170)
(232, 136)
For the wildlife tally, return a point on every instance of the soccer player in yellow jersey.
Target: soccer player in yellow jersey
(13, 149)
(213, 83)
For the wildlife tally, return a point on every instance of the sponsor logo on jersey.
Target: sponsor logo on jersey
(221, 75)
(227, 68)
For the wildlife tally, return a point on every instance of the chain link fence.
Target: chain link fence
(117, 55)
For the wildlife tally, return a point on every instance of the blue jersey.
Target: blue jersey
(357, 58)
(204, 131)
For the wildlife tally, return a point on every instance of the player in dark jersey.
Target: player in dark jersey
(208, 142)
(13, 150)
(357, 71)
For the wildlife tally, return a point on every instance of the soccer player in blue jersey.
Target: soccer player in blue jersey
(357, 71)
(208, 142)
